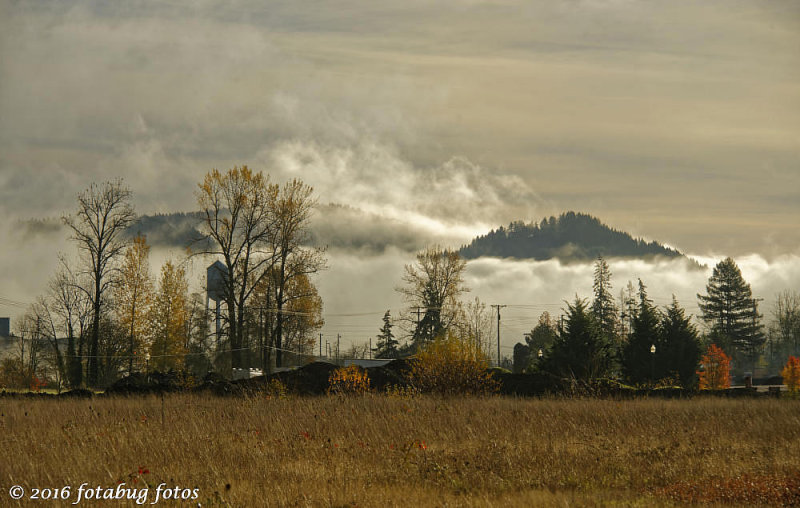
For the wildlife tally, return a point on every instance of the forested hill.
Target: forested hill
(568, 237)
(169, 230)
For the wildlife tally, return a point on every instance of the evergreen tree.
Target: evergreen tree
(386, 346)
(603, 306)
(731, 312)
(679, 349)
(580, 351)
(522, 357)
(627, 300)
(752, 344)
(542, 335)
(638, 362)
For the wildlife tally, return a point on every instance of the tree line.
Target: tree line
(104, 315)
(628, 338)
(633, 339)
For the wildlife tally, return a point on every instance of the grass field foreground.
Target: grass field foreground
(385, 451)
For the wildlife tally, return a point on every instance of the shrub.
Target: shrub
(401, 392)
(37, 384)
(14, 374)
(276, 389)
(452, 365)
(716, 374)
(350, 380)
(791, 374)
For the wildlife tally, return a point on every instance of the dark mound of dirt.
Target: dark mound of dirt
(77, 393)
(310, 379)
(217, 385)
(536, 384)
(140, 384)
(253, 385)
(394, 373)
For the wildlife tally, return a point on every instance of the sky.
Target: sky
(422, 122)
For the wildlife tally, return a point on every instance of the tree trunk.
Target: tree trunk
(233, 336)
(279, 314)
(94, 358)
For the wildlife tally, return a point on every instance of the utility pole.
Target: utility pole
(320, 345)
(338, 338)
(370, 348)
(498, 307)
(416, 330)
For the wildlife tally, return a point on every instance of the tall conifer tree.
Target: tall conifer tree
(638, 362)
(603, 306)
(731, 311)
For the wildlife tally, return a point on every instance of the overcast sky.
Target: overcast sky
(678, 121)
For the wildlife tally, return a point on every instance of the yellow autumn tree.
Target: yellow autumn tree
(239, 223)
(133, 296)
(452, 365)
(168, 317)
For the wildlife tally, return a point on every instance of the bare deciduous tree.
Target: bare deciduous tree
(72, 308)
(98, 226)
(293, 260)
(433, 285)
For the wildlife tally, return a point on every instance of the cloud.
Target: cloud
(677, 121)
(428, 122)
(454, 200)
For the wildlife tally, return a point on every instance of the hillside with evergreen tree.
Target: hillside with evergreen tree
(177, 229)
(569, 237)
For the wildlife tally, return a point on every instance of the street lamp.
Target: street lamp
(541, 353)
(653, 362)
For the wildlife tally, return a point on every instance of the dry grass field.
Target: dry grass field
(384, 451)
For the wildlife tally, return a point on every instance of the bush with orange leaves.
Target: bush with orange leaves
(452, 365)
(791, 374)
(716, 374)
(350, 380)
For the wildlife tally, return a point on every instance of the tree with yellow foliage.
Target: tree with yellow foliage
(168, 317)
(133, 296)
(239, 223)
(452, 365)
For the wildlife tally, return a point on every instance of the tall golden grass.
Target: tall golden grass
(390, 451)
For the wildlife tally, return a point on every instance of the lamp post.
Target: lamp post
(653, 363)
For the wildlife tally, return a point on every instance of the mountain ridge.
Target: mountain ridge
(572, 236)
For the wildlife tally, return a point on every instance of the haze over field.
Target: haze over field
(427, 123)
